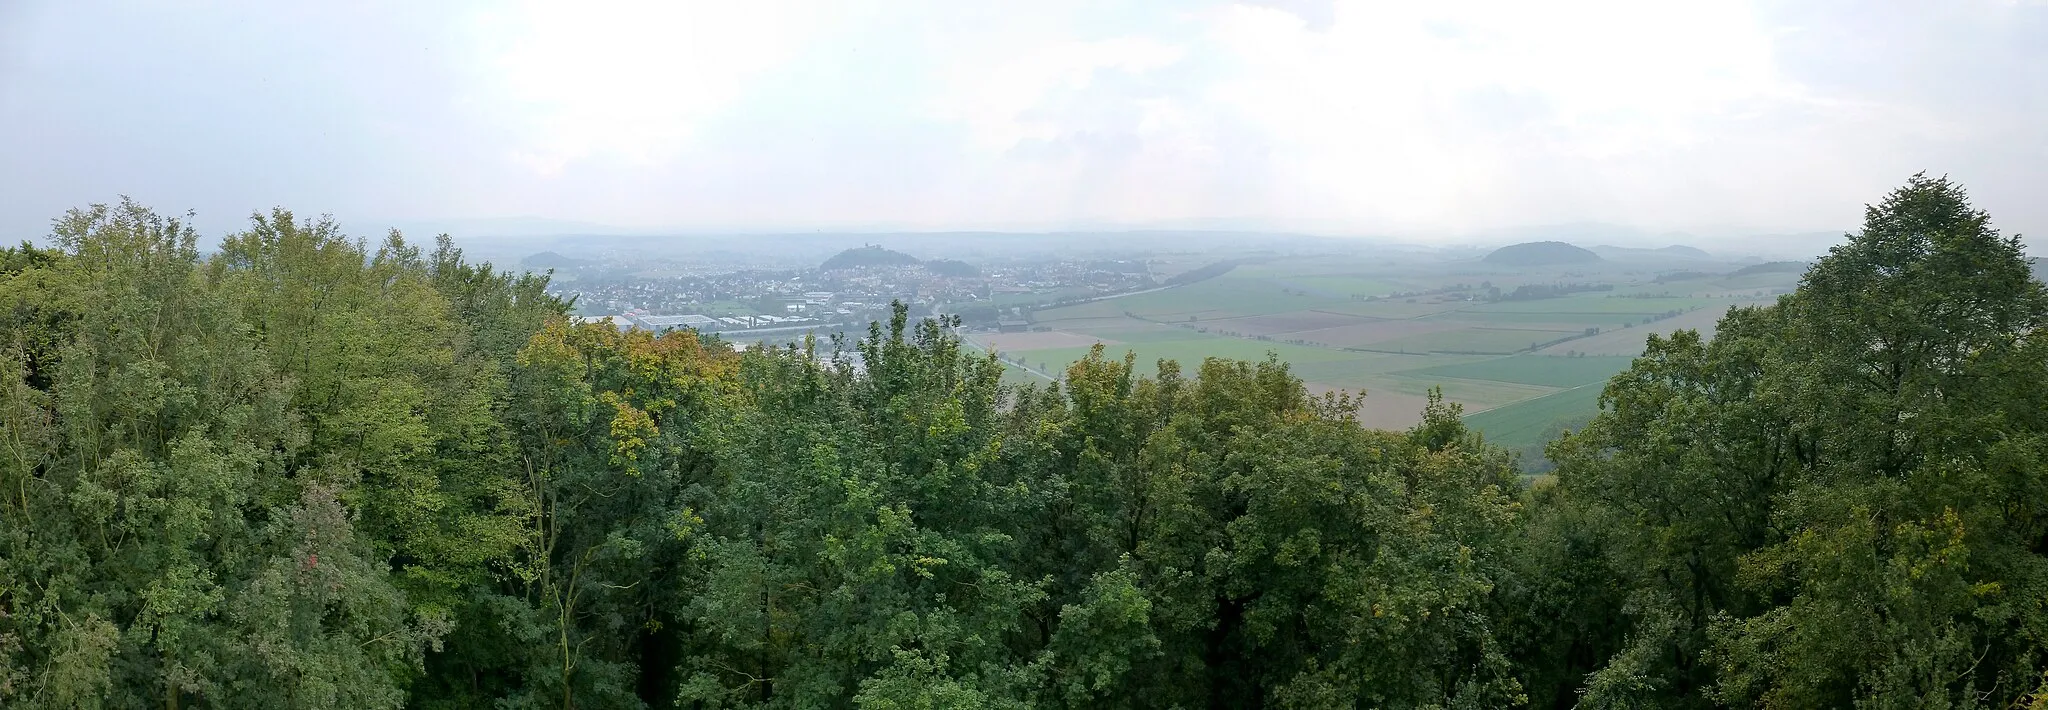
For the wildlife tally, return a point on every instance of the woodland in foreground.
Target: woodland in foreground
(305, 473)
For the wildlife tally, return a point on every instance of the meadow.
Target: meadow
(1540, 370)
(1398, 327)
(1528, 424)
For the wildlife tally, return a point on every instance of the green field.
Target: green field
(1017, 376)
(1629, 341)
(1474, 394)
(1221, 297)
(1395, 307)
(1480, 357)
(1522, 425)
(1342, 286)
(1373, 369)
(1471, 340)
(1594, 304)
(1757, 281)
(1137, 331)
(1540, 370)
(1545, 321)
(1191, 352)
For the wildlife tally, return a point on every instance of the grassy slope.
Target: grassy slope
(1522, 391)
(1521, 425)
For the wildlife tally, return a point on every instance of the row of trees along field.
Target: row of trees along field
(303, 473)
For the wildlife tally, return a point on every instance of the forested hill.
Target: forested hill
(551, 260)
(866, 256)
(295, 474)
(1540, 254)
(1773, 267)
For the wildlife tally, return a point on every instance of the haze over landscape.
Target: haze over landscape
(1429, 122)
(939, 355)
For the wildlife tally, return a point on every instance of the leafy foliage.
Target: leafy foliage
(1833, 503)
(302, 472)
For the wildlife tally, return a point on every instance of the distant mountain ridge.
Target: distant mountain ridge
(1675, 250)
(552, 260)
(1772, 267)
(1541, 254)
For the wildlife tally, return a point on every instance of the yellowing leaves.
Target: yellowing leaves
(631, 432)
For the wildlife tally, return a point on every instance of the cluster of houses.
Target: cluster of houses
(662, 324)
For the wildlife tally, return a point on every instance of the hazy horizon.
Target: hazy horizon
(1406, 121)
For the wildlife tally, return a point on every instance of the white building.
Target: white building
(661, 324)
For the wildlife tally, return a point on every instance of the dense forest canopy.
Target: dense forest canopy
(308, 472)
(1627, 253)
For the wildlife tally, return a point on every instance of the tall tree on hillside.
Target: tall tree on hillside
(1913, 568)
(1831, 503)
(175, 536)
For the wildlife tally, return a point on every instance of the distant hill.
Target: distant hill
(1772, 267)
(866, 256)
(951, 267)
(551, 260)
(1540, 254)
(1680, 251)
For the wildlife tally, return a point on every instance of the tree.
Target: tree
(1815, 509)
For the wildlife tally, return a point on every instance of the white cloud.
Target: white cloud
(1347, 115)
(1402, 116)
(1441, 114)
(624, 80)
(1000, 103)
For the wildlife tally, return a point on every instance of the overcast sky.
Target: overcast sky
(1413, 118)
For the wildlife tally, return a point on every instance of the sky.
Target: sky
(1419, 120)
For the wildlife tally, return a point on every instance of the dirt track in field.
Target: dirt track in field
(1384, 409)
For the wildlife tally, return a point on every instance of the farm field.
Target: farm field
(1628, 342)
(1483, 340)
(1220, 297)
(1593, 304)
(1539, 370)
(1017, 376)
(1383, 409)
(1008, 342)
(1132, 330)
(1344, 286)
(1523, 425)
(1476, 395)
(1543, 321)
(1192, 351)
(1397, 308)
(1371, 332)
(1484, 355)
(1374, 370)
(1290, 322)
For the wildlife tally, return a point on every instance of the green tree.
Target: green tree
(1824, 506)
